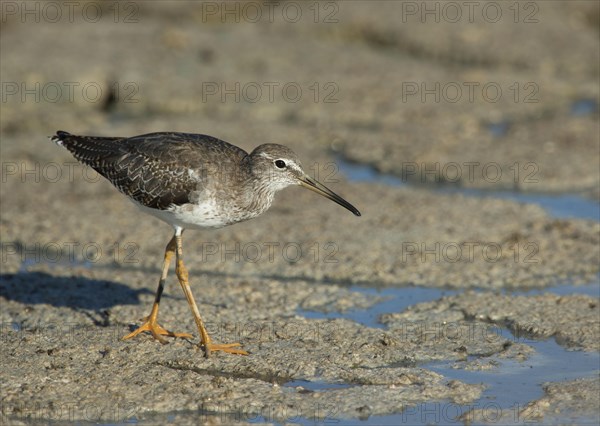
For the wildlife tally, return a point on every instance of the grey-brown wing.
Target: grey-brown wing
(158, 169)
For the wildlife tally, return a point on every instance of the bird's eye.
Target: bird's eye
(280, 164)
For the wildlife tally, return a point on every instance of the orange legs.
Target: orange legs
(150, 323)
(205, 339)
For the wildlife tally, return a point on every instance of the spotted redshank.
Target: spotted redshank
(192, 181)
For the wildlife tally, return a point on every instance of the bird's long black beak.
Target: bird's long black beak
(319, 188)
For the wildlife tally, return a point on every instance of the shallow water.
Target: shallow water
(509, 388)
(560, 206)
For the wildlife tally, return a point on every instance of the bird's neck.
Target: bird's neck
(256, 194)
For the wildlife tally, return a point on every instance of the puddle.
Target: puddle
(560, 206)
(397, 300)
(499, 129)
(400, 298)
(584, 107)
(510, 386)
(513, 381)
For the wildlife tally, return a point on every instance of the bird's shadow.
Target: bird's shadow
(90, 295)
(77, 293)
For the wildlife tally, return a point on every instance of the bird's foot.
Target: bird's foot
(230, 348)
(157, 331)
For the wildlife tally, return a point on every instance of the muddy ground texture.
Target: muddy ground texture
(80, 264)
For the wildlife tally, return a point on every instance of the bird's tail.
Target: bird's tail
(59, 137)
(89, 150)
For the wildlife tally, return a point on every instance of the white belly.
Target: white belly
(190, 216)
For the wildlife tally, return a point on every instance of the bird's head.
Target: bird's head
(277, 167)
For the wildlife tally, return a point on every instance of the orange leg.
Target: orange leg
(150, 323)
(205, 340)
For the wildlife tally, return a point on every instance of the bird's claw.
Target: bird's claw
(230, 348)
(157, 331)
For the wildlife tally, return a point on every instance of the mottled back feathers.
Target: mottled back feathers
(158, 170)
